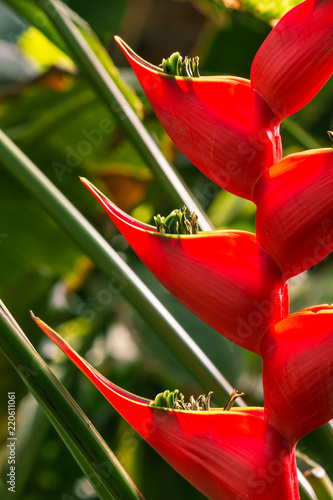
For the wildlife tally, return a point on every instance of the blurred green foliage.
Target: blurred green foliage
(50, 111)
(266, 10)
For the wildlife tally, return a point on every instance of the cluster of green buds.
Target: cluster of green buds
(175, 400)
(178, 66)
(177, 223)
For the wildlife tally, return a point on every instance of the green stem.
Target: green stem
(320, 483)
(305, 489)
(96, 460)
(36, 17)
(316, 476)
(117, 104)
(92, 243)
(327, 432)
(29, 449)
(120, 274)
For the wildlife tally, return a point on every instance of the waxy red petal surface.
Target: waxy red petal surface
(298, 372)
(226, 455)
(296, 59)
(221, 124)
(294, 221)
(224, 277)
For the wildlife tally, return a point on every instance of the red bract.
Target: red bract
(298, 372)
(295, 210)
(227, 455)
(221, 124)
(296, 59)
(222, 276)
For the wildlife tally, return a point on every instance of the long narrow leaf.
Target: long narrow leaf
(34, 15)
(105, 87)
(81, 438)
(92, 243)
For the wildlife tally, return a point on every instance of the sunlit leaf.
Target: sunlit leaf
(42, 51)
(66, 130)
(37, 17)
(268, 10)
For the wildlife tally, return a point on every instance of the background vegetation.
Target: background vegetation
(50, 111)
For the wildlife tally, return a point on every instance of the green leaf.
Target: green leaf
(104, 17)
(40, 20)
(316, 476)
(267, 10)
(92, 243)
(42, 52)
(30, 242)
(81, 438)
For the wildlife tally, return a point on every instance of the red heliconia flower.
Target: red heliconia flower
(220, 123)
(227, 455)
(224, 277)
(298, 372)
(296, 59)
(228, 126)
(295, 210)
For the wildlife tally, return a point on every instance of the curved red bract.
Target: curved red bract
(296, 59)
(224, 277)
(294, 221)
(221, 124)
(223, 454)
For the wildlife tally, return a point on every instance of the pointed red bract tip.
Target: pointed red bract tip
(298, 372)
(224, 277)
(294, 221)
(222, 454)
(296, 59)
(107, 388)
(105, 202)
(221, 124)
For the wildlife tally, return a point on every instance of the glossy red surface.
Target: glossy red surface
(296, 59)
(225, 455)
(224, 277)
(298, 372)
(295, 210)
(221, 124)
